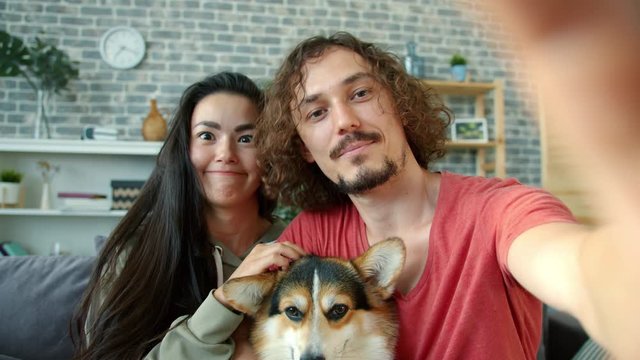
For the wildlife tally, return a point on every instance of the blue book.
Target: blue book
(13, 249)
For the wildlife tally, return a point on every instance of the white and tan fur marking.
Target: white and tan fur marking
(324, 308)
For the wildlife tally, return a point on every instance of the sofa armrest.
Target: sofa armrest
(563, 334)
(38, 295)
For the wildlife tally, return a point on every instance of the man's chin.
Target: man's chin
(367, 179)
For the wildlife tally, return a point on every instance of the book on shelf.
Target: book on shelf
(85, 204)
(80, 195)
(10, 248)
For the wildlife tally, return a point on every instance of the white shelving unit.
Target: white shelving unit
(85, 166)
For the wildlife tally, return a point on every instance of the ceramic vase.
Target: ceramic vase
(9, 193)
(413, 63)
(459, 72)
(42, 99)
(154, 127)
(45, 199)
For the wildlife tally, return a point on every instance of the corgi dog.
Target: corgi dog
(324, 308)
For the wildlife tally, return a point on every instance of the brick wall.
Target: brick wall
(187, 40)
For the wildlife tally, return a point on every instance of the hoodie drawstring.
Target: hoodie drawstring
(217, 258)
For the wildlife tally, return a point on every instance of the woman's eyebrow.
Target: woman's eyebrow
(207, 123)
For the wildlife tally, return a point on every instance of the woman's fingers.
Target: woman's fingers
(291, 250)
(270, 256)
(263, 257)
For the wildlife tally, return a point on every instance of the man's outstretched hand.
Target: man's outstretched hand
(584, 57)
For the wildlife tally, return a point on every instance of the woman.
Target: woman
(200, 214)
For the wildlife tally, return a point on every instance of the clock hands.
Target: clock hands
(124, 48)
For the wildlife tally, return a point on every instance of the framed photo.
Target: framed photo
(470, 130)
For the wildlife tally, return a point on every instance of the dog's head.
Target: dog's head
(324, 308)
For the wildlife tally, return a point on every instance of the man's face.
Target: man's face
(348, 122)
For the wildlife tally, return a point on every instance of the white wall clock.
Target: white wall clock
(122, 47)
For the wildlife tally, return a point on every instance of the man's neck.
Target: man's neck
(405, 203)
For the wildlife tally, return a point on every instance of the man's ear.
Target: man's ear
(306, 154)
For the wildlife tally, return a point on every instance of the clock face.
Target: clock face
(122, 47)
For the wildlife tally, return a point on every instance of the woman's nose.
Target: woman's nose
(226, 151)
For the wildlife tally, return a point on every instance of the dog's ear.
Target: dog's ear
(382, 263)
(247, 293)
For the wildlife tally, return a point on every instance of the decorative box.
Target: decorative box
(124, 193)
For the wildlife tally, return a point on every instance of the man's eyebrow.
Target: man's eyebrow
(244, 127)
(349, 80)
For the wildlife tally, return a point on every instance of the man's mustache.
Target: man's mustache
(352, 137)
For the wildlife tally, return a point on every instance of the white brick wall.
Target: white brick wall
(187, 40)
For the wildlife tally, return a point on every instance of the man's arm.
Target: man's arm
(580, 52)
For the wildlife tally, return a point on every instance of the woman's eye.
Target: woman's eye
(246, 139)
(206, 136)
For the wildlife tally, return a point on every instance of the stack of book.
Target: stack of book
(80, 201)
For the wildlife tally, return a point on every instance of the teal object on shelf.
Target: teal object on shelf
(459, 72)
(413, 63)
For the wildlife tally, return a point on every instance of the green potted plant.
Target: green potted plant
(9, 186)
(458, 67)
(47, 69)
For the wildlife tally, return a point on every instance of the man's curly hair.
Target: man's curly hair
(299, 183)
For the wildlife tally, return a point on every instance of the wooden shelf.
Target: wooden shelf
(460, 88)
(150, 148)
(478, 90)
(470, 144)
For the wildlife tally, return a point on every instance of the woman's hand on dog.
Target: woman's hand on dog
(264, 257)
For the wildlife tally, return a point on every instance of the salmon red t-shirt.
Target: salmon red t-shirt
(466, 304)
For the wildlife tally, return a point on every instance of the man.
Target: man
(354, 138)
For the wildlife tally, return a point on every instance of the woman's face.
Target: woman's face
(222, 150)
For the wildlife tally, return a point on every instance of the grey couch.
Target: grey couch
(38, 294)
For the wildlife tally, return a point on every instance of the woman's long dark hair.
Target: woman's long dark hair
(168, 271)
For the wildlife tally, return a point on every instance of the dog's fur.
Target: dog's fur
(324, 308)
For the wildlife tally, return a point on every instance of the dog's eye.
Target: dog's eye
(293, 313)
(337, 311)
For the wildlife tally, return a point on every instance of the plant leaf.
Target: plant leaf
(13, 55)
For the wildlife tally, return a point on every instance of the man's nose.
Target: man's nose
(346, 118)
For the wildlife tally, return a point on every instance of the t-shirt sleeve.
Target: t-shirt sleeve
(519, 208)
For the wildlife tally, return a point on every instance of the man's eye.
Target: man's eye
(247, 139)
(361, 93)
(316, 114)
(205, 135)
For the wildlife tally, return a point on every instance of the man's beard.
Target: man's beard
(367, 179)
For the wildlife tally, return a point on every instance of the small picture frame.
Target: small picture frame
(470, 130)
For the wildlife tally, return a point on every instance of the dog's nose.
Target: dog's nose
(310, 356)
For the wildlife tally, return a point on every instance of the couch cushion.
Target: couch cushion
(38, 294)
